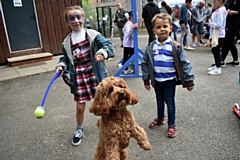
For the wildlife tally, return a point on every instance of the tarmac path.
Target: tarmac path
(207, 129)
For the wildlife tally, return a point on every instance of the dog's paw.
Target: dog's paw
(146, 146)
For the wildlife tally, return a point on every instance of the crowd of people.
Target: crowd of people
(220, 22)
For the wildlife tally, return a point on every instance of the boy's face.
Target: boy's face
(75, 20)
(162, 28)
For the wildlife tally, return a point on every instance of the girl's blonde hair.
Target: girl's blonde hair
(163, 16)
(73, 8)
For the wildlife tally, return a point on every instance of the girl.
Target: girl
(218, 23)
(128, 48)
(84, 52)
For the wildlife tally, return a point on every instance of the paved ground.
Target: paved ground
(207, 128)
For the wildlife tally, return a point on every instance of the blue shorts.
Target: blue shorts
(198, 28)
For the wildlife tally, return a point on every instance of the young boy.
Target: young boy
(162, 64)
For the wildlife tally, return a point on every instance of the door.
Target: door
(21, 25)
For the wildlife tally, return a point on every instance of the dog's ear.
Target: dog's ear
(99, 106)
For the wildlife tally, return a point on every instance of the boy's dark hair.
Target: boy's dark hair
(188, 1)
(150, 0)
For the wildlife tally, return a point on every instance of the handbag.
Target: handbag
(214, 41)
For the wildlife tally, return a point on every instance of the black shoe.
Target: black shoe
(222, 64)
(233, 63)
(121, 46)
(77, 138)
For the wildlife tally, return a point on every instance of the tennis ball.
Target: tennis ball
(39, 112)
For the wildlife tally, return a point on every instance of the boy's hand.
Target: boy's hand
(190, 88)
(148, 87)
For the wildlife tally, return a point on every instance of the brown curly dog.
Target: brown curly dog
(116, 125)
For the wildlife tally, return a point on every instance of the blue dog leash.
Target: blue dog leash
(48, 88)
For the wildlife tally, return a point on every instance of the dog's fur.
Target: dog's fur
(117, 124)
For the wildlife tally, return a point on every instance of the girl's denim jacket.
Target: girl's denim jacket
(183, 67)
(98, 45)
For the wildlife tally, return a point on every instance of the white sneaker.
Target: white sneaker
(77, 138)
(129, 71)
(237, 106)
(194, 45)
(215, 72)
(199, 44)
(119, 65)
(211, 68)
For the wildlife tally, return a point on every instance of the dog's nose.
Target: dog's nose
(121, 94)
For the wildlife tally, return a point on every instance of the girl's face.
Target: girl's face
(162, 28)
(217, 3)
(75, 19)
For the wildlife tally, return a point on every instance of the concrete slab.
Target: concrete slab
(30, 71)
(8, 73)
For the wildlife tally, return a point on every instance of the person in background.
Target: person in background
(149, 11)
(185, 27)
(120, 19)
(88, 25)
(166, 8)
(128, 41)
(161, 64)
(198, 17)
(232, 27)
(208, 13)
(217, 22)
(175, 21)
(84, 51)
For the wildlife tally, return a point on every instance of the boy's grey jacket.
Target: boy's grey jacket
(186, 71)
(98, 45)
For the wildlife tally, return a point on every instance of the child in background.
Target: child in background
(162, 63)
(217, 23)
(128, 40)
(175, 21)
(84, 52)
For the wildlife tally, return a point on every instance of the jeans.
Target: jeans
(185, 31)
(165, 93)
(175, 30)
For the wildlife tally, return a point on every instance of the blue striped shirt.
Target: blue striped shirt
(163, 64)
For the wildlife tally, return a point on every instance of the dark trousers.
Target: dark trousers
(229, 45)
(152, 36)
(127, 53)
(165, 93)
(216, 51)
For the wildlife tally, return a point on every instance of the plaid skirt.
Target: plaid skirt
(86, 83)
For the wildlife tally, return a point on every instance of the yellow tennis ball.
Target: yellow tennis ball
(39, 112)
